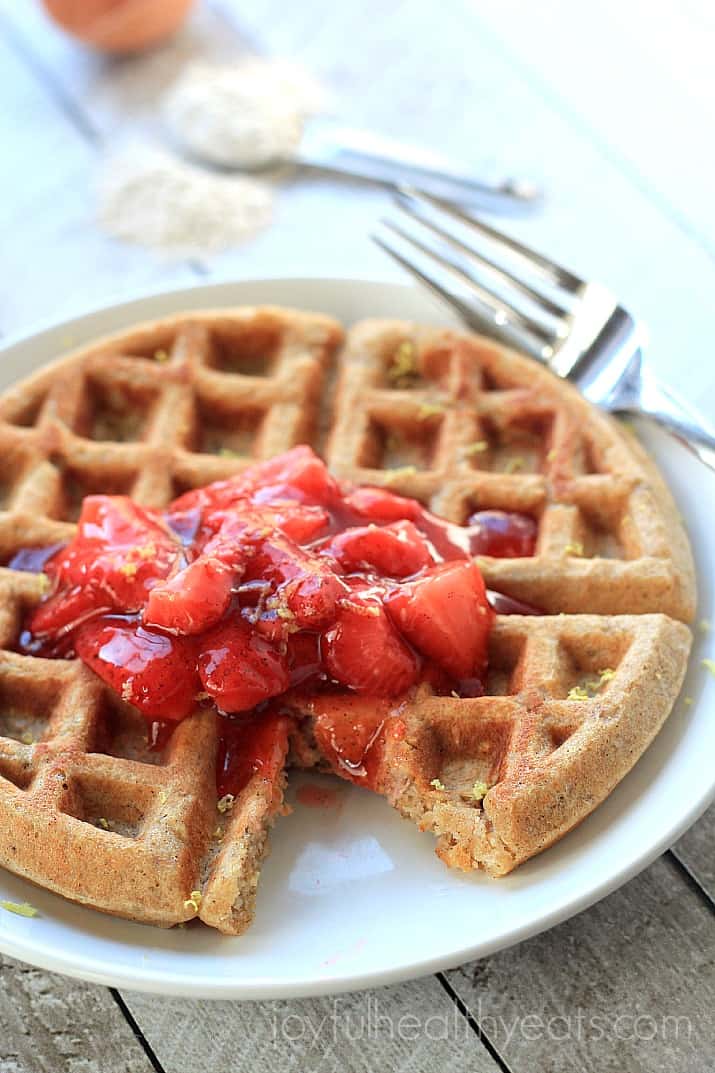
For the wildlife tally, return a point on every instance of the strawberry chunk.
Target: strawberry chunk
(154, 672)
(379, 505)
(446, 616)
(193, 599)
(312, 599)
(239, 669)
(120, 552)
(308, 588)
(396, 550)
(66, 610)
(297, 475)
(363, 650)
(299, 522)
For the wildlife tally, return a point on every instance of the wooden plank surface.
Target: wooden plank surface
(696, 852)
(628, 985)
(411, 1027)
(615, 210)
(52, 1025)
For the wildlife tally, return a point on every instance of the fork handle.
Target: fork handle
(670, 411)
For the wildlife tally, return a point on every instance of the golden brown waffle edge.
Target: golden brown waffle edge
(456, 421)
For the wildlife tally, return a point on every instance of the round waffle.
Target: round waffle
(573, 697)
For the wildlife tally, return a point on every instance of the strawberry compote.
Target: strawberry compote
(278, 585)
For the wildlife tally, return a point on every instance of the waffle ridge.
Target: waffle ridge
(87, 810)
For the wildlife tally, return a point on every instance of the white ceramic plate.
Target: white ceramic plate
(353, 896)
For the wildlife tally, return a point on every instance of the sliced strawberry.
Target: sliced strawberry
(379, 505)
(395, 550)
(120, 549)
(364, 651)
(192, 600)
(67, 609)
(298, 521)
(308, 587)
(446, 616)
(312, 599)
(298, 474)
(154, 672)
(239, 669)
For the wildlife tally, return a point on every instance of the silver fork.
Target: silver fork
(575, 327)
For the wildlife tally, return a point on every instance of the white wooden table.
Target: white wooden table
(609, 106)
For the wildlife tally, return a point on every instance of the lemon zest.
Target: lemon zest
(400, 472)
(437, 783)
(578, 693)
(429, 409)
(479, 790)
(128, 569)
(574, 548)
(27, 738)
(104, 824)
(709, 665)
(514, 465)
(21, 909)
(194, 901)
(403, 370)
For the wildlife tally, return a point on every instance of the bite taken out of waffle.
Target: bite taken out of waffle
(92, 810)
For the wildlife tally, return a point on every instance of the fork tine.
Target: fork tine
(502, 311)
(501, 274)
(486, 321)
(530, 259)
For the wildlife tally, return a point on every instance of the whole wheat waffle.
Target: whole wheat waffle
(573, 697)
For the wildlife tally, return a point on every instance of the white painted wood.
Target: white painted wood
(410, 71)
(54, 259)
(637, 77)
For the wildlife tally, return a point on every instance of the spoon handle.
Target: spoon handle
(375, 158)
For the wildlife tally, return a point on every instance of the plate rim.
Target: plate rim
(78, 965)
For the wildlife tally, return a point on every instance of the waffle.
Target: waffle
(89, 811)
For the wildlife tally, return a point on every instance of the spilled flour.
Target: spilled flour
(149, 197)
(242, 116)
(247, 115)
